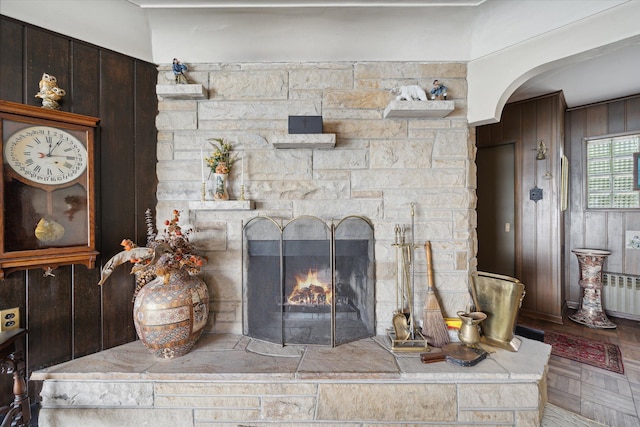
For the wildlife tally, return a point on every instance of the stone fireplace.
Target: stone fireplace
(309, 282)
(378, 167)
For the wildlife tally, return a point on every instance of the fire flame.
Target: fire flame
(310, 290)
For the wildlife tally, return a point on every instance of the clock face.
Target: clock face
(46, 155)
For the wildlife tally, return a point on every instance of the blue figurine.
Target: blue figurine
(439, 90)
(178, 72)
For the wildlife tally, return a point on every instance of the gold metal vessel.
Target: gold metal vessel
(469, 333)
(500, 298)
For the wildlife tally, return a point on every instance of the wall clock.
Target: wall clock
(48, 196)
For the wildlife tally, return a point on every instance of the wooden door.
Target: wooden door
(496, 209)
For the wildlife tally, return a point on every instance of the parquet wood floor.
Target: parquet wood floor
(600, 395)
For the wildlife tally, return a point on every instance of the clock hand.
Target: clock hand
(42, 155)
(54, 147)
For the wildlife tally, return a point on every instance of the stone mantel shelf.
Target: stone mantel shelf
(418, 109)
(178, 92)
(222, 205)
(306, 140)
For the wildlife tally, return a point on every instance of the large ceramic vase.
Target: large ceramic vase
(169, 318)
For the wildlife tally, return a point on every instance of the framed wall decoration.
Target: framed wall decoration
(47, 191)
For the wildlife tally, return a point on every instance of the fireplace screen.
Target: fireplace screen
(308, 282)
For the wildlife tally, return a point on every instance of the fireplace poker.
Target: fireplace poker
(412, 265)
(406, 279)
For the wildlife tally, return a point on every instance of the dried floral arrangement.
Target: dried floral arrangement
(161, 257)
(221, 160)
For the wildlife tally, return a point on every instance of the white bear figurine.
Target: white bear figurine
(409, 93)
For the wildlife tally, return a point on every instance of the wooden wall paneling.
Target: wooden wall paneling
(483, 135)
(117, 190)
(556, 214)
(50, 321)
(528, 207)
(146, 110)
(616, 117)
(595, 224)
(544, 241)
(11, 65)
(596, 123)
(575, 226)
(547, 240)
(99, 83)
(538, 242)
(496, 134)
(46, 53)
(602, 229)
(558, 221)
(615, 227)
(87, 325)
(632, 219)
(512, 124)
(86, 80)
(632, 257)
(632, 113)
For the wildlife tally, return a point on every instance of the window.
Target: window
(610, 177)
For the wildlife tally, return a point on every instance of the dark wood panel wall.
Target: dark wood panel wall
(598, 229)
(538, 225)
(69, 315)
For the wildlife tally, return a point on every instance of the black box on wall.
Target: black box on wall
(305, 124)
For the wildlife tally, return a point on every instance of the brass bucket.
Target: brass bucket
(500, 298)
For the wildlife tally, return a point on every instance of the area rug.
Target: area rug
(595, 353)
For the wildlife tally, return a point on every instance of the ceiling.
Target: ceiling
(228, 4)
(609, 75)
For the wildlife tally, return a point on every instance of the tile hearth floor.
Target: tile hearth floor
(608, 398)
(597, 394)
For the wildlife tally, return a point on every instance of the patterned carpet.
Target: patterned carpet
(595, 353)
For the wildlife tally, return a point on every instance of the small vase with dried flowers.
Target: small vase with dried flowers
(171, 304)
(220, 164)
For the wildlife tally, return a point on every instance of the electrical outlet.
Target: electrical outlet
(10, 319)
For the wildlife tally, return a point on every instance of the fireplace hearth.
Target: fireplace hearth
(307, 281)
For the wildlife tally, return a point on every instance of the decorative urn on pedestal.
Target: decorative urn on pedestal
(591, 313)
(171, 304)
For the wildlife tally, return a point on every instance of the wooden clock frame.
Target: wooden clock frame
(24, 201)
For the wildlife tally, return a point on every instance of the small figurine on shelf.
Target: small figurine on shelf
(409, 93)
(178, 72)
(439, 90)
(49, 92)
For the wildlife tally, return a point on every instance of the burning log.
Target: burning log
(310, 290)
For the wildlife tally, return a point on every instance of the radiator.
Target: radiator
(621, 294)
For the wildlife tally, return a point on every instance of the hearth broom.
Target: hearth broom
(434, 326)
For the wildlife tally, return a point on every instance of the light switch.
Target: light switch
(507, 227)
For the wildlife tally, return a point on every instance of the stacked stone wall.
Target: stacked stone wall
(377, 169)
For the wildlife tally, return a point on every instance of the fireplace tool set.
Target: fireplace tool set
(405, 334)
